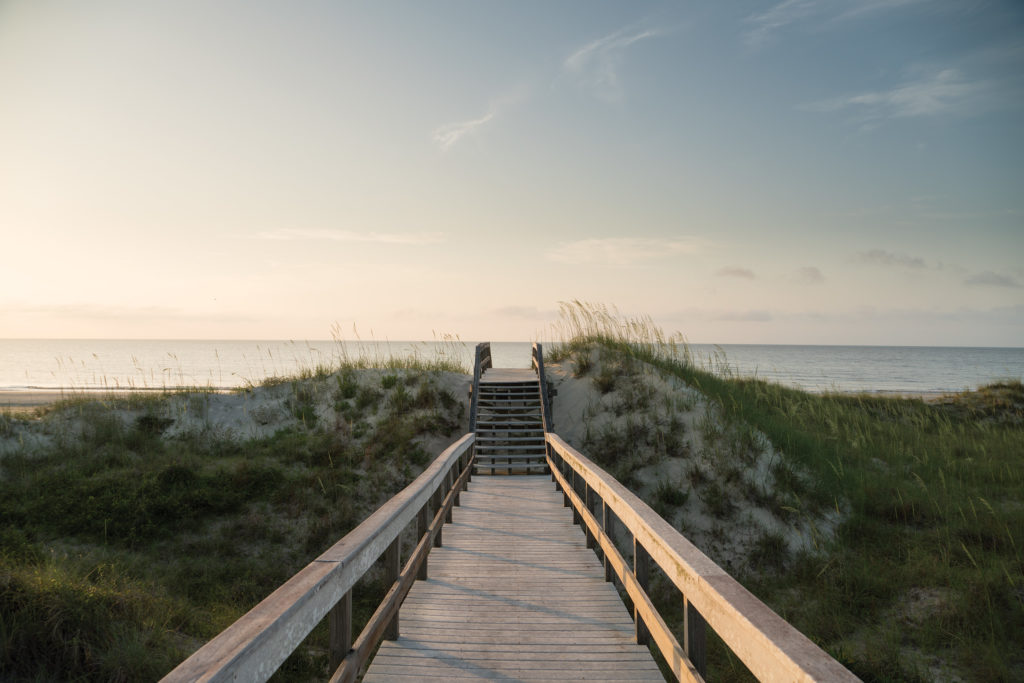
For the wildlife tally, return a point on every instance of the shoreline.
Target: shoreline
(28, 399)
(23, 400)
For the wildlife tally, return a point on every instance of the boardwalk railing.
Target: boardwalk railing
(768, 645)
(545, 395)
(481, 363)
(257, 644)
(254, 647)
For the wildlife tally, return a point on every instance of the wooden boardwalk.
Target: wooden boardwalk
(499, 375)
(513, 595)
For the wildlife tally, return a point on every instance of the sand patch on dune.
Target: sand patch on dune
(345, 400)
(722, 484)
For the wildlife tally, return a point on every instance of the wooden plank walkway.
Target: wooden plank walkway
(513, 595)
(499, 375)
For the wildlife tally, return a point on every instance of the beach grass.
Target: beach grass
(122, 550)
(925, 574)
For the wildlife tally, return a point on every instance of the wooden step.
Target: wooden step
(513, 458)
(535, 439)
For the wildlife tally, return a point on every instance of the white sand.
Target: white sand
(245, 414)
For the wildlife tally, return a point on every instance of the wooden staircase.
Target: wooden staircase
(509, 423)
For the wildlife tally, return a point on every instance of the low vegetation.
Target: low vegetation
(133, 530)
(923, 578)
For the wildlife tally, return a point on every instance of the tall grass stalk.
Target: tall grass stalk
(921, 576)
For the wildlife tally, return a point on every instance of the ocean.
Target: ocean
(29, 364)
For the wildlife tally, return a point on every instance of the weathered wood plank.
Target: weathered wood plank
(513, 595)
(508, 376)
(770, 647)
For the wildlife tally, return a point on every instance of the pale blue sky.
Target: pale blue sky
(806, 171)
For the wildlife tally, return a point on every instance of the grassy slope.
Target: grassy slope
(927, 570)
(121, 551)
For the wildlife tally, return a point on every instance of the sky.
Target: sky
(794, 172)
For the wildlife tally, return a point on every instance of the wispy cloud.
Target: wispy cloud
(778, 16)
(815, 12)
(596, 64)
(990, 279)
(809, 275)
(858, 8)
(732, 271)
(450, 133)
(297, 234)
(618, 251)
(940, 92)
(881, 257)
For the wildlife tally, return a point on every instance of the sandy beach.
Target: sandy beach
(22, 400)
(29, 398)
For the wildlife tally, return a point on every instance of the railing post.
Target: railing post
(587, 502)
(435, 501)
(392, 568)
(565, 473)
(550, 457)
(449, 483)
(576, 518)
(340, 623)
(641, 569)
(422, 524)
(456, 473)
(694, 638)
(606, 525)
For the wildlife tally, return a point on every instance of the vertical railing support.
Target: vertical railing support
(606, 526)
(436, 501)
(694, 638)
(392, 568)
(422, 524)
(340, 626)
(588, 496)
(641, 570)
(576, 518)
(449, 483)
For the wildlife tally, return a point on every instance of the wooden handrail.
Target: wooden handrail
(254, 647)
(481, 363)
(768, 645)
(545, 398)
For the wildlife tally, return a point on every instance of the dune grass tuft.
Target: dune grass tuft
(123, 549)
(930, 495)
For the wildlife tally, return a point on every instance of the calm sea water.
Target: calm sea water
(114, 364)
